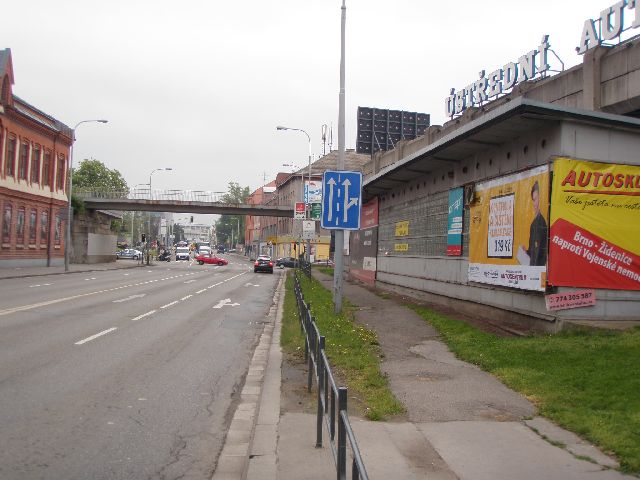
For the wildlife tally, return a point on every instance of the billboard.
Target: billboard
(595, 225)
(454, 222)
(509, 230)
(313, 191)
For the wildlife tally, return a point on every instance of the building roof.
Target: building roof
(497, 126)
(353, 162)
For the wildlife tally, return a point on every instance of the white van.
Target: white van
(182, 253)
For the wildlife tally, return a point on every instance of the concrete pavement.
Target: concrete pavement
(461, 423)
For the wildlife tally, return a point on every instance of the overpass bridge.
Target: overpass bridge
(177, 201)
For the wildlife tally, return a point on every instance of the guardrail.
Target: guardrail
(332, 400)
(305, 267)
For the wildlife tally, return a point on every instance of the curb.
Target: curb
(26, 274)
(249, 450)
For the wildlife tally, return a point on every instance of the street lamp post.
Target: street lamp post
(150, 175)
(304, 199)
(70, 211)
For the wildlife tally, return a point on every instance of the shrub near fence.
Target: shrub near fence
(331, 399)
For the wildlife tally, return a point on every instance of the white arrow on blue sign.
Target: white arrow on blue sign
(341, 200)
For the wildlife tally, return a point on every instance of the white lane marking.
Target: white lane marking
(184, 298)
(92, 278)
(126, 274)
(143, 315)
(250, 285)
(203, 290)
(40, 285)
(131, 297)
(225, 303)
(189, 281)
(93, 337)
(169, 304)
(73, 297)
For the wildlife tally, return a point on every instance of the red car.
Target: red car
(211, 259)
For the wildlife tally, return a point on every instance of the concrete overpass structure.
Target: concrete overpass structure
(176, 201)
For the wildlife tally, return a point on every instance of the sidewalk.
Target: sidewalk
(461, 423)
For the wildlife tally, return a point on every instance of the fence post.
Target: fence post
(342, 434)
(321, 383)
(314, 351)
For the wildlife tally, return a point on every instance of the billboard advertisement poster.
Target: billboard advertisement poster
(508, 230)
(299, 211)
(369, 214)
(313, 191)
(595, 225)
(454, 222)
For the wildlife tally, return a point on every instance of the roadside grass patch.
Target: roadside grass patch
(352, 350)
(586, 381)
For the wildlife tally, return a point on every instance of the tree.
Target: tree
(93, 174)
(224, 225)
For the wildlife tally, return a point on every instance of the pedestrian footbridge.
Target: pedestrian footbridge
(177, 201)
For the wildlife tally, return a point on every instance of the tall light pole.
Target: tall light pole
(150, 175)
(70, 211)
(304, 199)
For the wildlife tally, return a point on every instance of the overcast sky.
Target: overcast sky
(200, 86)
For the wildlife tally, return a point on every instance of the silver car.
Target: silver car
(129, 253)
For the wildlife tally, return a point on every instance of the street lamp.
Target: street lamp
(304, 199)
(150, 175)
(70, 211)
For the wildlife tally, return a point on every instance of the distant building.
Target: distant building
(34, 155)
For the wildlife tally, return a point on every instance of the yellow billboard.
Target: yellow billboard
(509, 230)
(595, 225)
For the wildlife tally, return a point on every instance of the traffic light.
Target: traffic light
(144, 237)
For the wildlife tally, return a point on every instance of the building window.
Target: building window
(6, 224)
(10, 157)
(46, 168)
(35, 164)
(58, 231)
(60, 172)
(22, 164)
(20, 226)
(33, 225)
(44, 227)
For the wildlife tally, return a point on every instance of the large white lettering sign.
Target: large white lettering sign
(610, 25)
(499, 81)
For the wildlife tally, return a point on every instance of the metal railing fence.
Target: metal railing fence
(146, 194)
(331, 399)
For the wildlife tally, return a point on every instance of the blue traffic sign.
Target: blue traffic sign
(341, 200)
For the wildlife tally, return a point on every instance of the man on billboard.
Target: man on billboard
(536, 254)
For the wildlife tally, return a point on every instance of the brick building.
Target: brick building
(34, 151)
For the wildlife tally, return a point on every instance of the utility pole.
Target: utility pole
(339, 235)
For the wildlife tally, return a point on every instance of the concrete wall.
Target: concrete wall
(443, 279)
(92, 239)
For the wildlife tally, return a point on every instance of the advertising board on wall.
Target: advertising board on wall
(454, 222)
(595, 225)
(508, 230)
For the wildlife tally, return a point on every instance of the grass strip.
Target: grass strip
(586, 381)
(352, 350)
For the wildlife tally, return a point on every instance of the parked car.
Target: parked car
(263, 264)
(182, 253)
(211, 259)
(286, 262)
(129, 253)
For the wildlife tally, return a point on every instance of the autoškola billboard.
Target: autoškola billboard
(509, 230)
(595, 225)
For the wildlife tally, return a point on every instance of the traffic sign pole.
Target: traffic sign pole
(339, 246)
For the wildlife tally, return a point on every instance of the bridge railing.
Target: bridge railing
(146, 194)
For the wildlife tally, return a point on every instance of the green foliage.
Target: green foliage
(582, 380)
(93, 174)
(236, 223)
(78, 205)
(352, 349)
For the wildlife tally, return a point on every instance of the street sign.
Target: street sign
(315, 211)
(308, 229)
(313, 191)
(299, 211)
(341, 200)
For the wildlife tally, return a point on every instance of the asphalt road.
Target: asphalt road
(125, 373)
